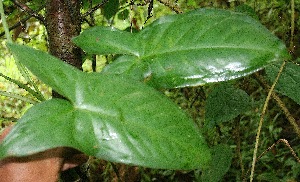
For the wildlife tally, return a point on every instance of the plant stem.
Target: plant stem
(262, 119)
(21, 68)
(292, 25)
(4, 23)
(19, 97)
(172, 6)
(281, 104)
(37, 94)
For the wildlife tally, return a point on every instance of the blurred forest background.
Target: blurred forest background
(277, 164)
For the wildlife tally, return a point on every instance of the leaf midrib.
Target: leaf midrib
(157, 54)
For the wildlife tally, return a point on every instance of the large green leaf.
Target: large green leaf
(198, 47)
(111, 117)
(289, 81)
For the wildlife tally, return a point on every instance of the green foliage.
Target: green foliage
(225, 103)
(10, 108)
(88, 3)
(235, 29)
(288, 83)
(268, 177)
(131, 122)
(248, 10)
(188, 49)
(221, 161)
(37, 95)
(111, 8)
(114, 119)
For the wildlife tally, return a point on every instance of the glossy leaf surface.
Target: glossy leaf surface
(195, 48)
(113, 118)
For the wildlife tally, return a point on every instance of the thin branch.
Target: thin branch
(281, 104)
(95, 8)
(292, 48)
(238, 145)
(94, 63)
(9, 118)
(88, 22)
(150, 9)
(21, 22)
(19, 97)
(173, 7)
(262, 119)
(25, 87)
(288, 115)
(4, 23)
(130, 15)
(286, 143)
(29, 11)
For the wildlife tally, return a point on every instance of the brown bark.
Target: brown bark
(63, 22)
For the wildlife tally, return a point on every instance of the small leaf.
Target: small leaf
(195, 48)
(225, 103)
(123, 15)
(107, 40)
(289, 81)
(110, 8)
(113, 118)
(220, 163)
(248, 10)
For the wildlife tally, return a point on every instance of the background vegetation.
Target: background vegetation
(277, 164)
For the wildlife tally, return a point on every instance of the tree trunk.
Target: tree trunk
(63, 22)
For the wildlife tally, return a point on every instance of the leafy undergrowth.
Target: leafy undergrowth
(238, 131)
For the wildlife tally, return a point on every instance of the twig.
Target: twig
(29, 11)
(150, 9)
(238, 146)
(286, 143)
(130, 15)
(281, 104)
(261, 121)
(271, 147)
(94, 63)
(9, 118)
(21, 22)
(25, 87)
(173, 7)
(288, 115)
(4, 23)
(95, 8)
(19, 97)
(292, 26)
(88, 22)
